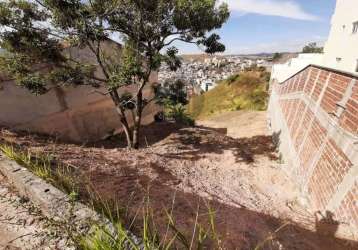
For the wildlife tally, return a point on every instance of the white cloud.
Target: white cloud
(283, 8)
(294, 45)
(288, 45)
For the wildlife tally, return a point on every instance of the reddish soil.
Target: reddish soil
(195, 167)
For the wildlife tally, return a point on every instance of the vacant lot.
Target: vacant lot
(191, 169)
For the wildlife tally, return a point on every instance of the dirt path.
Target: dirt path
(22, 226)
(241, 179)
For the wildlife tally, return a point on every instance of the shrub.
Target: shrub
(232, 79)
(179, 114)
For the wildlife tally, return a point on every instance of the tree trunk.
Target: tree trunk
(137, 120)
(126, 128)
(122, 116)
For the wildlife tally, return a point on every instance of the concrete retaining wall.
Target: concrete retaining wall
(53, 203)
(71, 113)
(315, 115)
(74, 114)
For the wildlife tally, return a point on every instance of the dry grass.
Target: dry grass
(246, 91)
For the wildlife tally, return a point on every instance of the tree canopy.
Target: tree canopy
(38, 32)
(312, 48)
(276, 56)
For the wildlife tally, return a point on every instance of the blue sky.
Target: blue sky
(257, 26)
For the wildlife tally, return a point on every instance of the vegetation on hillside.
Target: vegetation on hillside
(172, 96)
(276, 56)
(245, 91)
(312, 48)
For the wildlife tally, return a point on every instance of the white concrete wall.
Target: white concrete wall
(281, 72)
(342, 43)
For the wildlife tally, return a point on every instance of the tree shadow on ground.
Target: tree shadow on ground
(237, 228)
(128, 182)
(196, 141)
(195, 144)
(149, 135)
(326, 224)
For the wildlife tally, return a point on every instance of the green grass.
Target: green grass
(103, 239)
(179, 114)
(43, 166)
(246, 91)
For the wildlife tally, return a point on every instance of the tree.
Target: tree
(312, 48)
(34, 32)
(172, 92)
(172, 95)
(276, 56)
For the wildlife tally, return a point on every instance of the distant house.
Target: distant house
(207, 84)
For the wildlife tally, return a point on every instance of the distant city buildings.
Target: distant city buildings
(204, 75)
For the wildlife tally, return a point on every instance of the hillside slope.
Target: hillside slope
(246, 91)
(191, 171)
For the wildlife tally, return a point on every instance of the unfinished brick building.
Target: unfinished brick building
(315, 116)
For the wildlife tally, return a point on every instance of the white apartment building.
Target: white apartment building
(341, 49)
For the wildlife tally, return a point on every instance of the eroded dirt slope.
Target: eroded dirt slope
(192, 168)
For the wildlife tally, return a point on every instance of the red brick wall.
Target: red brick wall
(329, 172)
(320, 111)
(348, 210)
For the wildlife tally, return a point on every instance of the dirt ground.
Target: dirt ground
(239, 124)
(21, 225)
(189, 169)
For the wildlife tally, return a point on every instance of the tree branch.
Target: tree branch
(178, 39)
(98, 57)
(99, 92)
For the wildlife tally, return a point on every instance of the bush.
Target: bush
(173, 92)
(312, 48)
(232, 79)
(178, 114)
